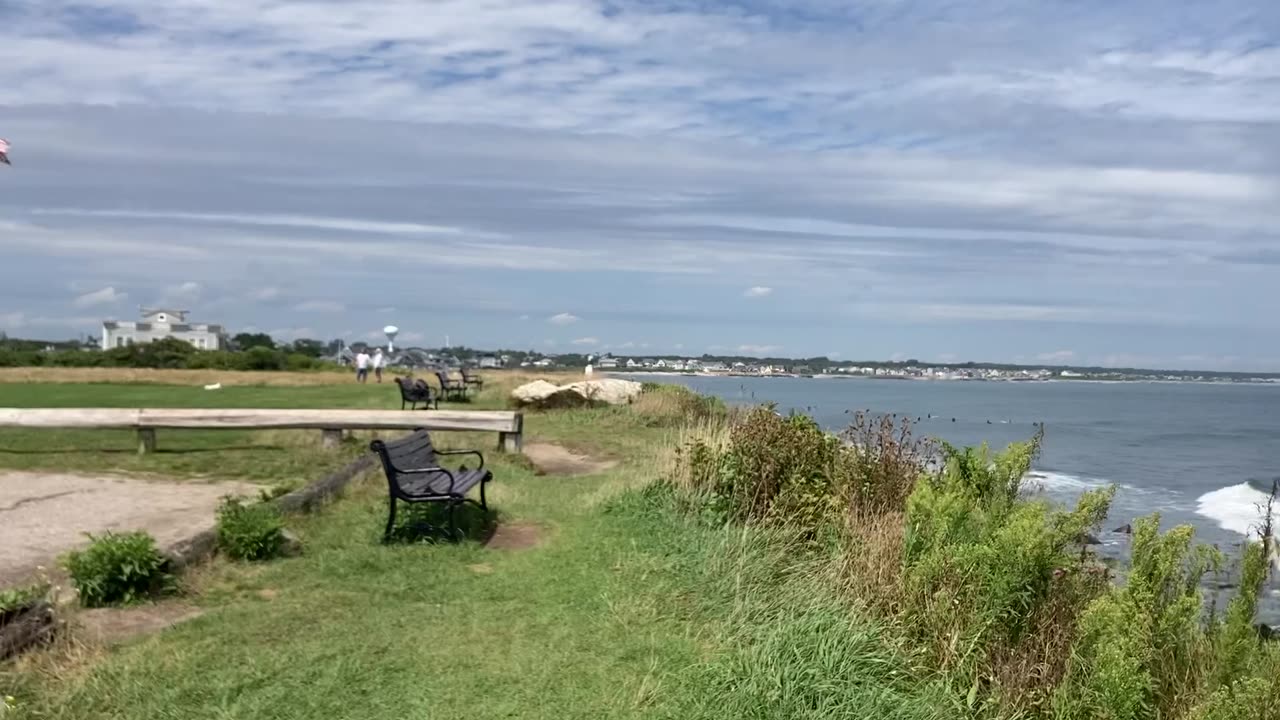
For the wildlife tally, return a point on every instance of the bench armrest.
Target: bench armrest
(464, 452)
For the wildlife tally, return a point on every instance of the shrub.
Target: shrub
(15, 600)
(250, 532)
(666, 405)
(297, 362)
(119, 569)
(981, 565)
(261, 358)
(882, 465)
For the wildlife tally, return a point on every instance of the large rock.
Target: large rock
(607, 390)
(610, 391)
(534, 392)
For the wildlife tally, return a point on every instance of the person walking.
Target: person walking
(379, 362)
(362, 365)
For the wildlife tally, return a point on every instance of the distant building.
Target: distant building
(489, 362)
(159, 324)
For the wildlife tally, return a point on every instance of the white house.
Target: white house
(158, 324)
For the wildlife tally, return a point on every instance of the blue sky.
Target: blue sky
(1086, 182)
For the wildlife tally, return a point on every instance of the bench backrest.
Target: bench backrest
(411, 452)
(413, 388)
(445, 380)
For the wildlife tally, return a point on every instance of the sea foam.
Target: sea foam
(1051, 480)
(1237, 508)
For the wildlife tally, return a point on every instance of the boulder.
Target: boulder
(534, 392)
(607, 391)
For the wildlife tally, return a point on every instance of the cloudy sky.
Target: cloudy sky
(1088, 181)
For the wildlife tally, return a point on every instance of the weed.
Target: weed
(119, 569)
(249, 532)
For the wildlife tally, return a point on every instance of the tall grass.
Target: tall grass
(989, 585)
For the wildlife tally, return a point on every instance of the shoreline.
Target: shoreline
(789, 376)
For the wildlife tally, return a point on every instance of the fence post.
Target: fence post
(146, 440)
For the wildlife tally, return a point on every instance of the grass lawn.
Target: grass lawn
(274, 456)
(624, 610)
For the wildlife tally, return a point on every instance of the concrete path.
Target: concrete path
(42, 515)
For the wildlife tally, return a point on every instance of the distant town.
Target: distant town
(913, 370)
(157, 324)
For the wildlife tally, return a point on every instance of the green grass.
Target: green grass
(627, 609)
(264, 456)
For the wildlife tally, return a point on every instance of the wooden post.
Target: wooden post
(330, 438)
(146, 440)
(513, 442)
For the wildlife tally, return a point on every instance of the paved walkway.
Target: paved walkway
(43, 515)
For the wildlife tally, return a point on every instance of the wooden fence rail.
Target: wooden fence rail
(509, 425)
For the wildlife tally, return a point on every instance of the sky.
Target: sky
(1075, 182)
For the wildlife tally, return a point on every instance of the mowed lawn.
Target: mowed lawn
(263, 456)
(621, 609)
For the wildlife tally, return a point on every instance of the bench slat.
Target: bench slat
(477, 420)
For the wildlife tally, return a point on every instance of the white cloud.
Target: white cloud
(524, 317)
(549, 343)
(293, 333)
(320, 306)
(385, 310)
(563, 318)
(759, 349)
(282, 221)
(105, 296)
(587, 341)
(263, 294)
(182, 293)
(758, 291)
(1057, 357)
(12, 320)
(679, 346)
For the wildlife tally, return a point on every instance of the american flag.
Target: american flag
(4, 152)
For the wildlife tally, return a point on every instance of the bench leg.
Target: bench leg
(146, 441)
(391, 519)
(330, 438)
(511, 442)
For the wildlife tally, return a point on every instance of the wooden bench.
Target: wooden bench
(414, 475)
(509, 425)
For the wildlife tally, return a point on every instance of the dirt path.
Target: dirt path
(552, 459)
(42, 515)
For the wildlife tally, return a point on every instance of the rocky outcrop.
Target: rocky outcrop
(607, 391)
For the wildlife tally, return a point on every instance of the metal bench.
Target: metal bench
(414, 391)
(414, 475)
(451, 388)
(472, 380)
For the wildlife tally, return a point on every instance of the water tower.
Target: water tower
(391, 331)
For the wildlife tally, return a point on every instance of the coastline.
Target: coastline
(792, 376)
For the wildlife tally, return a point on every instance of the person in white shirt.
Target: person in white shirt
(379, 362)
(362, 366)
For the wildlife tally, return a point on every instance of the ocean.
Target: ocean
(1196, 453)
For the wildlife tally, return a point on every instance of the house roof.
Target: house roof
(148, 312)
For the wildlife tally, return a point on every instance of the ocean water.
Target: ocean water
(1196, 453)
